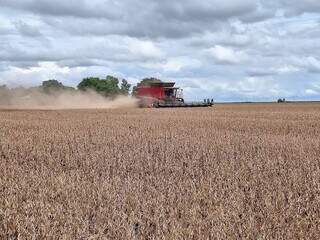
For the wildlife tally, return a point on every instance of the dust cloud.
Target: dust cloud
(37, 99)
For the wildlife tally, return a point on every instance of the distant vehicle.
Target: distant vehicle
(283, 100)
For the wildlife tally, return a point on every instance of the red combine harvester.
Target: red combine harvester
(164, 95)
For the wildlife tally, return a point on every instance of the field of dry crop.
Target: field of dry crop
(230, 172)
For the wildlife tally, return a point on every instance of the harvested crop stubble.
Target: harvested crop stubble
(231, 172)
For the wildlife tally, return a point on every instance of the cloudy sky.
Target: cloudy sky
(232, 50)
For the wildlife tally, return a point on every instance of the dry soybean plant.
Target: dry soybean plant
(228, 172)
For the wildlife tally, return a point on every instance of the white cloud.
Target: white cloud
(223, 55)
(27, 30)
(144, 49)
(310, 63)
(287, 69)
(311, 92)
(180, 63)
(233, 49)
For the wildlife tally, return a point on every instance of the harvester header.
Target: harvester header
(159, 94)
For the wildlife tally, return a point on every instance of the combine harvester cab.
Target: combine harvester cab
(165, 95)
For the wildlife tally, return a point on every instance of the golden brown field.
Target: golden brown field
(228, 172)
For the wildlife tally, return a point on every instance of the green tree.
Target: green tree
(125, 87)
(112, 84)
(50, 86)
(108, 87)
(89, 83)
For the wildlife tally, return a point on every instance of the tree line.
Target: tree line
(109, 87)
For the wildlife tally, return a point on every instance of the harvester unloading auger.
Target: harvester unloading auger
(164, 95)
